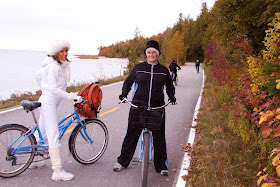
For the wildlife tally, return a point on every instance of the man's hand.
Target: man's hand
(172, 100)
(122, 96)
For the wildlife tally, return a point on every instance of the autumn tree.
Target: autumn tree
(178, 47)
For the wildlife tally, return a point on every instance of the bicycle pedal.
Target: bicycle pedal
(43, 153)
(135, 161)
(46, 156)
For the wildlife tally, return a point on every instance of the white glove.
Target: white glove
(78, 99)
(72, 96)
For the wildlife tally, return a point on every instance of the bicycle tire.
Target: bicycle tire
(83, 151)
(176, 81)
(8, 134)
(145, 159)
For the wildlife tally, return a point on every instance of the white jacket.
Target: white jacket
(52, 79)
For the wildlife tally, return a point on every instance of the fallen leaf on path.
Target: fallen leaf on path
(70, 162)
(166, 180)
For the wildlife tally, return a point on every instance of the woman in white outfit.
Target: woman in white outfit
(53, 78)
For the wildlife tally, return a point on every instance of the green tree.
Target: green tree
(136, 51)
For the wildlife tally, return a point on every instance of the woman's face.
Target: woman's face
(152, 56)
(62, 55)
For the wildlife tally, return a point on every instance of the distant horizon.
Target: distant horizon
(43, 51)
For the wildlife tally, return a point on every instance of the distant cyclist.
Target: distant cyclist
(197, 63)
(173, 68)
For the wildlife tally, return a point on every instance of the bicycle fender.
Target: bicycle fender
(13, 125)
(74, 130)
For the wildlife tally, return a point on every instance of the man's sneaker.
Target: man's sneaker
(37, 164)
(62, 176)
(164, 172)
(118, 167)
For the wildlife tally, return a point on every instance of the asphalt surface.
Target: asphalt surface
(114, 115)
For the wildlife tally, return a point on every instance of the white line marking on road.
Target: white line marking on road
(10, 110)
(113, 84)
(187, 158)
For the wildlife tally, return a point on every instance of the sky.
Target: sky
(87, 24)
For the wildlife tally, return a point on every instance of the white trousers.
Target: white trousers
(48, 123)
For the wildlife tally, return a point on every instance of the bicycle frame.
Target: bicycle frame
(41, 146)
(172, 75)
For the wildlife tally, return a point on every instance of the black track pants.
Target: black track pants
(130, 143)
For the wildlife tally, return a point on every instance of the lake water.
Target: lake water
(17, 69)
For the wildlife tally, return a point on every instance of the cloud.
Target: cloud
(87, 24)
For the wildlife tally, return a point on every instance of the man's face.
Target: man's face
(152, 56)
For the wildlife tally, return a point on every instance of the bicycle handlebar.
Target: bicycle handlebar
(125, 100)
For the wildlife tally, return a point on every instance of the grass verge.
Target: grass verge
(87, 56)
(221, 156)
(17, 98)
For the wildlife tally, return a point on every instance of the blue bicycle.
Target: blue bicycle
(145, 120)
(18, 146)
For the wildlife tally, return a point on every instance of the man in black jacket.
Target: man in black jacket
(173, 68)
(149, 79)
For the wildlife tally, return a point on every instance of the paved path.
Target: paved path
(115, 116)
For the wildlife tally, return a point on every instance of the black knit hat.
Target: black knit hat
(152, 44)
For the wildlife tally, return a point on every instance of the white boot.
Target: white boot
(36, 163)
(58, 173)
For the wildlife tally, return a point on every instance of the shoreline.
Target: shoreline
(84, 68)
(74, 86)
(15, 99)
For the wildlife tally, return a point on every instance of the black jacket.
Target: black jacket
(173, 67)
(144, 75)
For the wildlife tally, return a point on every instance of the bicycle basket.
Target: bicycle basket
(151, 119)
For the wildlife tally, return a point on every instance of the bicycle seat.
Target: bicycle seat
(30, 105)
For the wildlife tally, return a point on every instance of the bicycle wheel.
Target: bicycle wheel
(145, 159)
(176, 81)
(82, 150)
(14, 164)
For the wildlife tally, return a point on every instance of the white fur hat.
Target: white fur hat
(58, 45)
